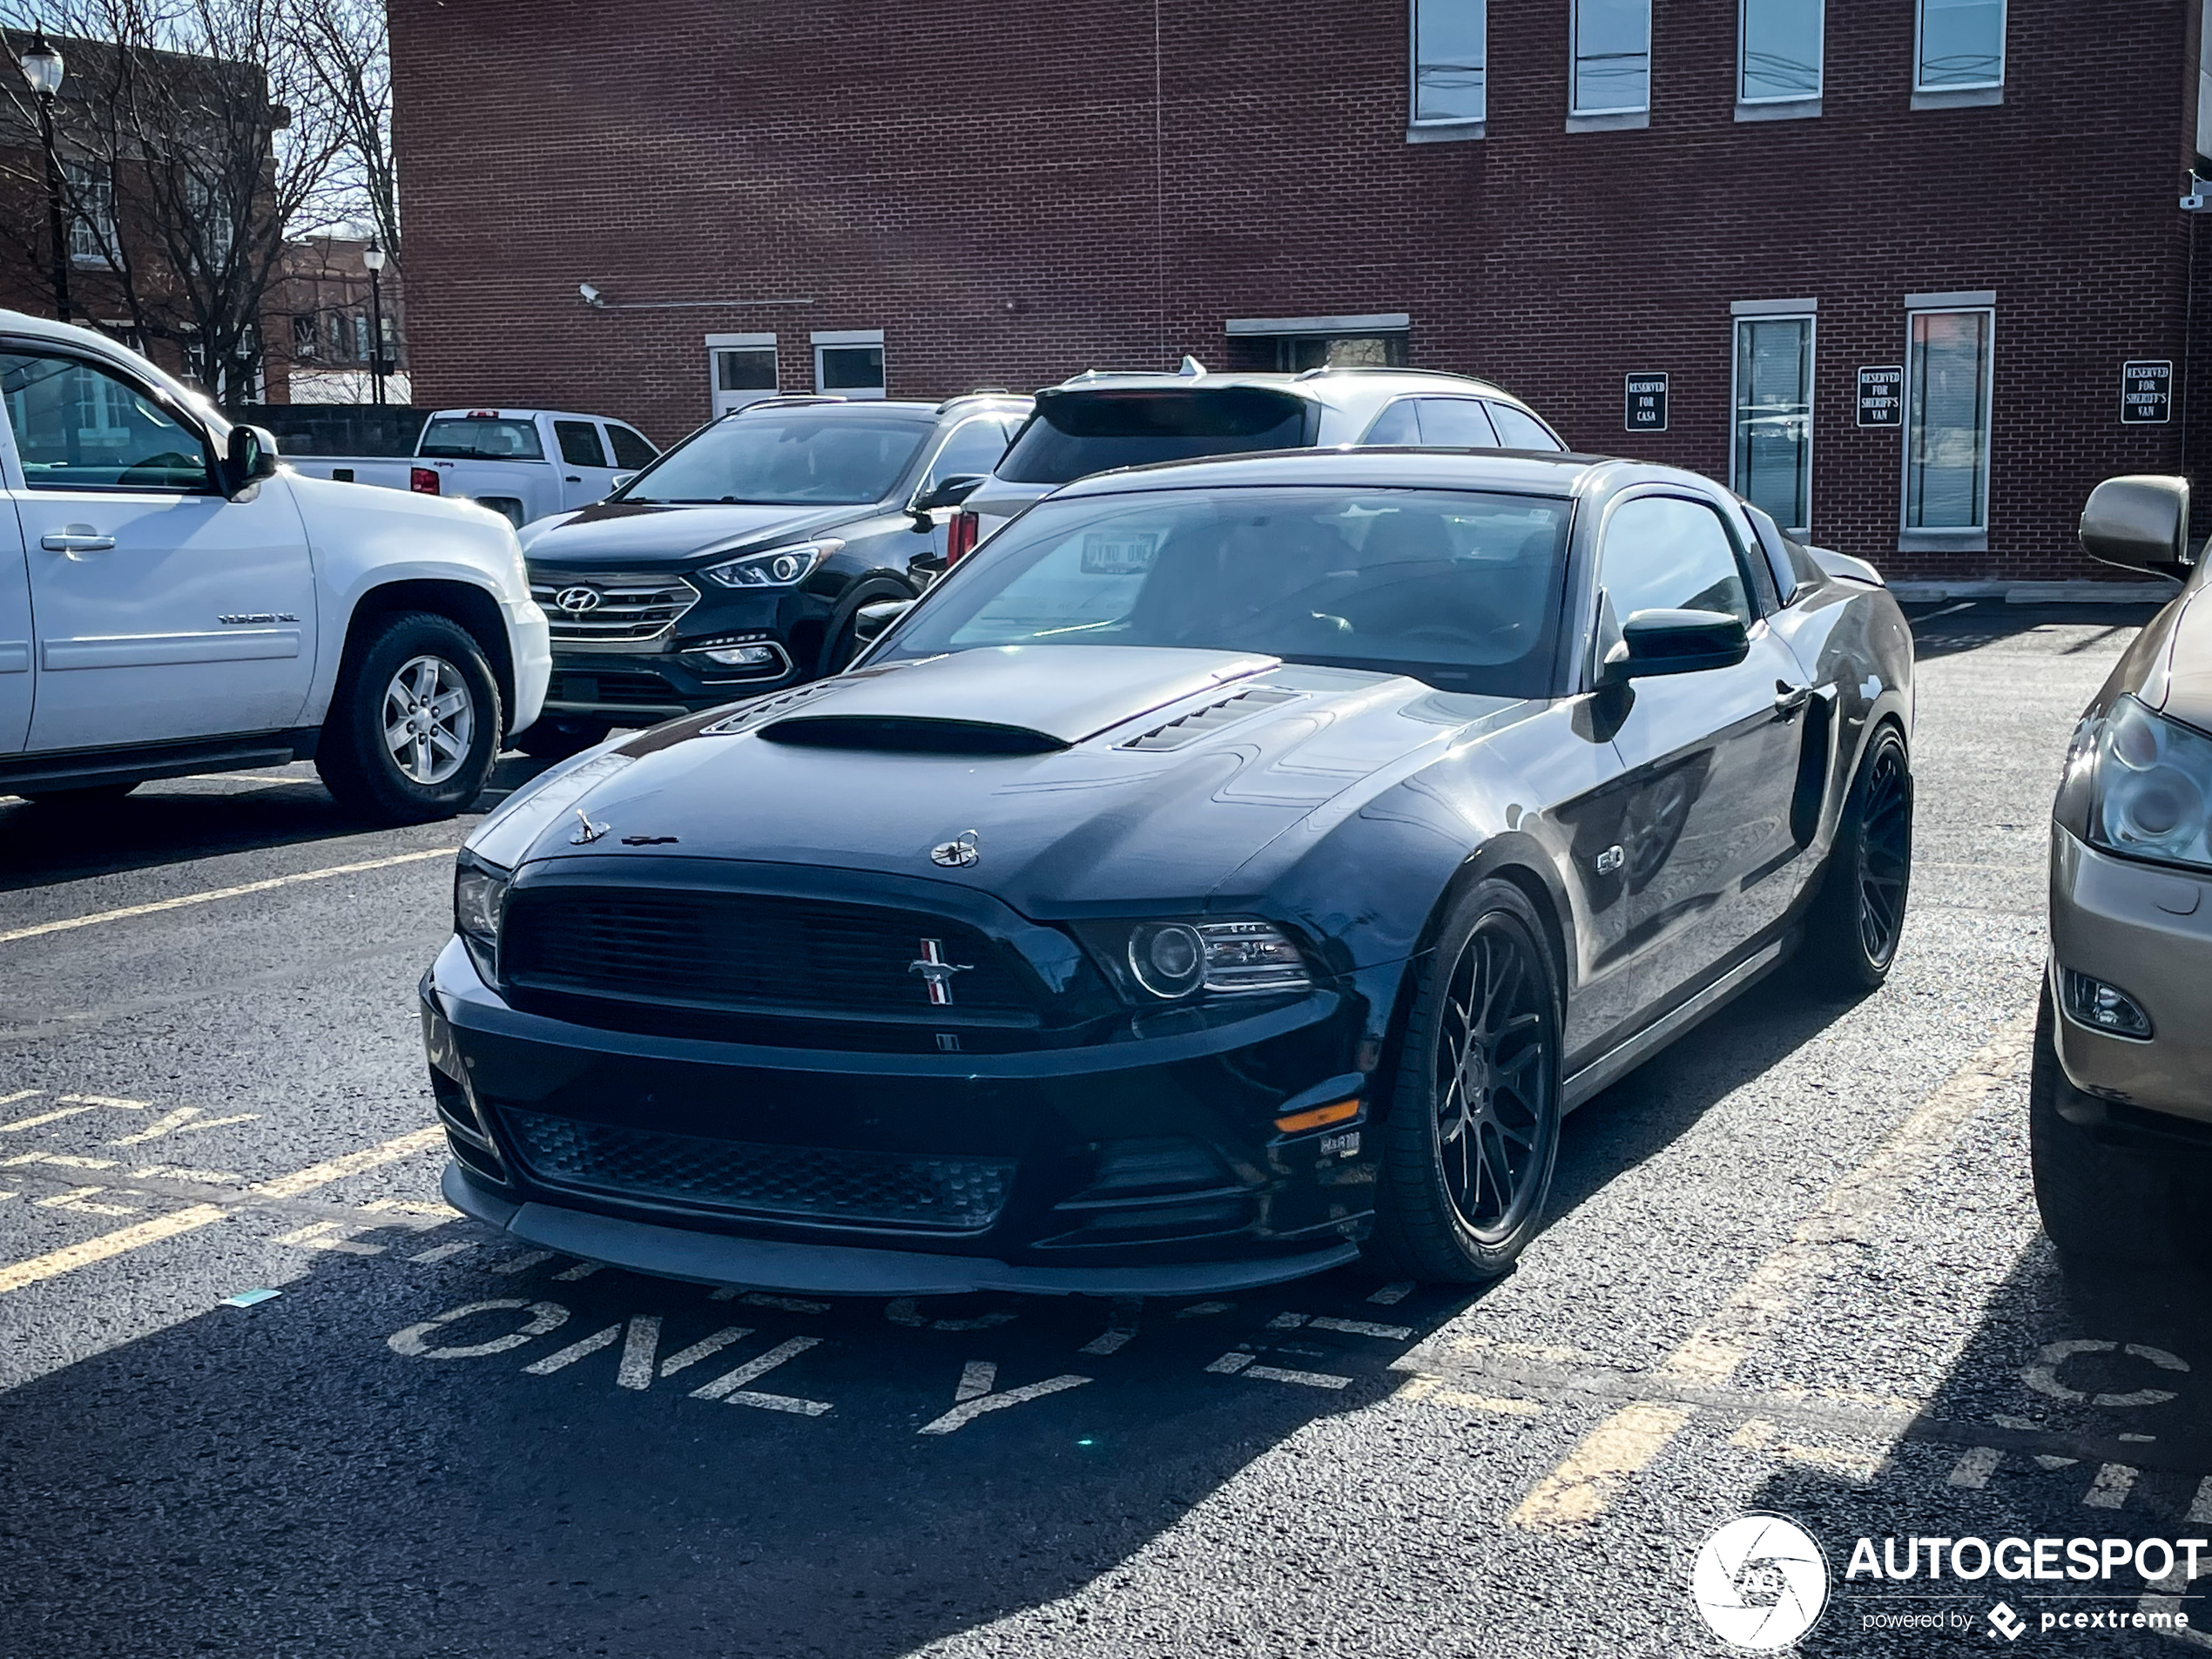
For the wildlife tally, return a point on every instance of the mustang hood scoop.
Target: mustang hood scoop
(1009, 700)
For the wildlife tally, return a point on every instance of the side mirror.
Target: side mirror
(1673, 642)
(251, 457)
(950, 492)
(870, 620)
(2139, 523)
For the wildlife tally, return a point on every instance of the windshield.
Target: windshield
(1458, 588)
(802, 457)
(1076, 433)
(481, 438)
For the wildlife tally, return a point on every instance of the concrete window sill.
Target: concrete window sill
(1796, 109)
(1619, 121)
(1943, 541)
(1447, 131)
(1966, 98)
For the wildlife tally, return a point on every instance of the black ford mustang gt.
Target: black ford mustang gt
(1233, 868)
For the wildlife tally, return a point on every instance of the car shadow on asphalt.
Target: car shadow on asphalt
(1949, 630)
(396, 1459)
(171, 822)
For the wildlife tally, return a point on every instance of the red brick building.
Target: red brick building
(1753, 200)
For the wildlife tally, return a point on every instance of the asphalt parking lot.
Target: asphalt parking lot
(1793, 1265)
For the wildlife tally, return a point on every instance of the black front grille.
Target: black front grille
(752, 953)
(804, 1183)
(646, 688)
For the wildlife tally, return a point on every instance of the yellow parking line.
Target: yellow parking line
(238, 892)
(15, 1275)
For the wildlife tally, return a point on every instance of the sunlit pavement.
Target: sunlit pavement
(1793, 1267)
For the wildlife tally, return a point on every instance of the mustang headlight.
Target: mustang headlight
(479, 896)
(2153, 776)
(780, 567)
(1168, 960)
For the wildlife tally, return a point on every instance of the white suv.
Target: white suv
(176, 602)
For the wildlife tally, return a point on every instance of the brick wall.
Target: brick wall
(1014, 195)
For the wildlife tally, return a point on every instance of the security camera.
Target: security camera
(591, 294)
(2193, 202)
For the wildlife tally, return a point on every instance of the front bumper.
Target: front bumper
(2147, 931)
(1227, 1202)
(529, 644)
(637, 688)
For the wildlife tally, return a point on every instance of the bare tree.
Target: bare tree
(345, 48)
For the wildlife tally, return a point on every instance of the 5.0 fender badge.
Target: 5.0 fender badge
(958, 853)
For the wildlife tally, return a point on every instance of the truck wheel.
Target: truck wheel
(1852, 930)
(414, 724)
(2100, 1203)
(556, 737)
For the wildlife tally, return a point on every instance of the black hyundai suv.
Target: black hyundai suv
(738, 561)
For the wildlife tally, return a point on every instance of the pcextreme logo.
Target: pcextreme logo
(1760, 1582)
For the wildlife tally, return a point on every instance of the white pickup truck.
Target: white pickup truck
(522, 463)
(173, 600)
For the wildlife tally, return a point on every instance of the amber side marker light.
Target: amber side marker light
(1318, 1117)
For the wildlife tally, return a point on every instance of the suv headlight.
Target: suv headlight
(780, 567)
(1167, 961)
(2152, 775)
(479, 898)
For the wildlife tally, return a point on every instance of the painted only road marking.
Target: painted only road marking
(733, 1390)
(1240, 1364)
(2201, 1511)
(1119, 1328)
(41, 1118)
(976, 1394)
(1974, 1469)
(178, 1122)
(1348, 1327)
(116, 1101)
(2110, 1489)
(15, 1275)
(1575, 1492)
(415, 1340)
(183, 900)
(1389, 1293)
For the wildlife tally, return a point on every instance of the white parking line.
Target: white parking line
(1976, 1466)
(2110, 1489)
(184, 900)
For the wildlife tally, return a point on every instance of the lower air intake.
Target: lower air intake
(801, 1183)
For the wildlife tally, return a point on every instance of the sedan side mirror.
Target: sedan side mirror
(2139, 523)
(950, 492)
(1675, 641)
(870, 621)
(251, 457)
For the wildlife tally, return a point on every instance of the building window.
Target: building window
(1946, 421)
(848, 362)
(1778, 50)
(1292, 345)
(741, 370)
(1770, 456)
(303, 339)
(1612, 57)
(360, 338)
(1961, 46)
(92, 216)
(1450, 49)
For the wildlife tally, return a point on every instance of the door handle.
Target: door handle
(574, 479)
(76, 539)
(1789, 698)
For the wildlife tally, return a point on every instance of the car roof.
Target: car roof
(1328, 384)
(1520, 471)
(831, 403)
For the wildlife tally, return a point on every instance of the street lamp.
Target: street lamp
(42, 67)
(372, 257)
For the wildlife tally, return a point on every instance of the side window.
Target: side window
(81, 427)
(1395, 425)
(1664, 553)
(580, 445)
(975, 445)
(630, 448)
(1456, 424)
(1518, 429)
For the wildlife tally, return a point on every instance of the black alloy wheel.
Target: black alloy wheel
(1857, 920)
(1474, 1126)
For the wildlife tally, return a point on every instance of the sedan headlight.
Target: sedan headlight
(780, 567)
(2153, 776)
(479, 897)
(1167, 961)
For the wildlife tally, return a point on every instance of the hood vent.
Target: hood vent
(767, 708)
(1203, 722)
(909, 734)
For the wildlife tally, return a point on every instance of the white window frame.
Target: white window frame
(1414, 122)
(1805, 311)
(1920, 55)
(1820, 73)
(850, 337)
(1575, 110)
(1947, 539)
(91, 191)
(738, 342)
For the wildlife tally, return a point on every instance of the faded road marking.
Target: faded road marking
(76, 1198)
(178, 1122)
(731, 1389)
(2110, 1489)
(1240, 1364)
(116, 1101)
(184, 900)
(705, 1348)
(43, 1117)
(1431, 1390)
(1391, 1293)
(1119, 1328)
(1974, 1469)
(446, 1253)
(974, 1396)
(1577, 1493)
(15, 1275)
(414, 1340)
(2201, 1511)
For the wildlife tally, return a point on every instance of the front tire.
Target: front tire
(2100, 1203)
(1472, 1130)
(1852, 931)
(414, 724)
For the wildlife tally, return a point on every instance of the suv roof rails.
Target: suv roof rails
(787, 399)
(980, 391)
(1380, 368)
